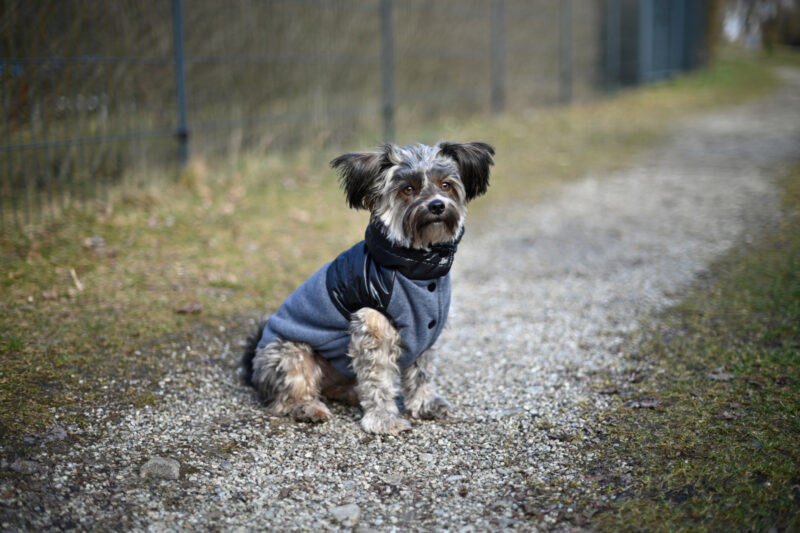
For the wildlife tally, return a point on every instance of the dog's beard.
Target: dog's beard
(423, 229)
(434, 232)
(415, 226)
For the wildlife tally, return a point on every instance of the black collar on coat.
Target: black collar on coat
(413, 263)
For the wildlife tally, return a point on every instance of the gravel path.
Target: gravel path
(543, 298)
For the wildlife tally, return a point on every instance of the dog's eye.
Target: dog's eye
(445, 185)
(409, 190)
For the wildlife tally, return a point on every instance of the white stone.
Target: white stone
(161, 467)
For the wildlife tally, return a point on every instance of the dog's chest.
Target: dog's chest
(419, 310)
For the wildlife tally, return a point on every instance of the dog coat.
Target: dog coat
(410, 287)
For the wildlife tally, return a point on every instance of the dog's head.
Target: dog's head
(419, 193)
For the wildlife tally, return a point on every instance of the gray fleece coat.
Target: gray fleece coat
(410, 287)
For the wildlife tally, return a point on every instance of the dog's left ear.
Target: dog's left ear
(359, 173)
(473, 161)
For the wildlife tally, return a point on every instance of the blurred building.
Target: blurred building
(647, 40)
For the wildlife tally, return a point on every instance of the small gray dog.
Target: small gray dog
(372, 314)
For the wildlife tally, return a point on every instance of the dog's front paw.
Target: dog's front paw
(314, 411)
(437, 407)
(383, 423)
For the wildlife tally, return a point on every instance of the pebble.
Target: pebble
(56, 433)
(347, 514)
(161, 467)
(26, 467)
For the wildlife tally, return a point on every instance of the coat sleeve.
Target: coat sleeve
(354, 280)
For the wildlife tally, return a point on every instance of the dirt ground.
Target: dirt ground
(545, 297)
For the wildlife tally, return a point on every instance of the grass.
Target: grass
(721, 450)
(94, 307)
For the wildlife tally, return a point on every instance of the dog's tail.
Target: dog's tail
(250, 353)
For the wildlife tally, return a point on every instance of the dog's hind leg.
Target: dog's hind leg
(419, 393)
(335, 385)
(287, 378)
(375, 347)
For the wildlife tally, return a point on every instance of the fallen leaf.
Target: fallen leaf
(190, 308)
(95, 241)
(608, 390)
(298, 215)
(719, 375)
(644, 404)
(78, 284)
(105, 211)
(782, 381)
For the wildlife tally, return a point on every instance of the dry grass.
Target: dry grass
(224, 241)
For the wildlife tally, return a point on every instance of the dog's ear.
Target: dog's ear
(359, 175)
(473, 161)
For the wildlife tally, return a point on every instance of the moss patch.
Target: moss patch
(720, 449)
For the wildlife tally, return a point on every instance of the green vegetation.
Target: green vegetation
(720, 450)
(96, 307)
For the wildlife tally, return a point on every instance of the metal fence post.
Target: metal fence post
(498, 57)
(613, 43)
(180, 80)
(387, 70)
(646, 22)
(565, 51)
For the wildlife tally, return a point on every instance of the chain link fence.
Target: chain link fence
(96, 91)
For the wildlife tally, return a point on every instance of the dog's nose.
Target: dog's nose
(436, 207)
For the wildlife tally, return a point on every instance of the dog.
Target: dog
(372, 315)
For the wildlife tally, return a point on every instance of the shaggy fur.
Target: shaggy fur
(419, 194)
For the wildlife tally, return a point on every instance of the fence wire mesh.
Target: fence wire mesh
(96, 91)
